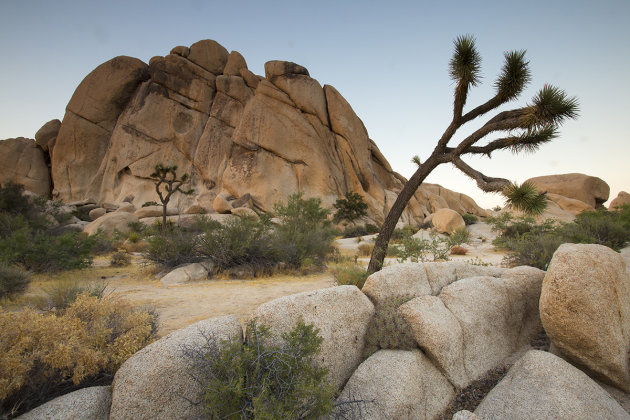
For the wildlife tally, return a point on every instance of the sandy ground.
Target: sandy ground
(182, 305)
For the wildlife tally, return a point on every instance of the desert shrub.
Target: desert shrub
(60, 294)
(458, 237)
(40, 251)
(350, 208)
(410, 248)
(13, 280)
(601, 227)
(365, 250)
(469, 219)
(133, 237)
(359, 230)
(172, 246)
(258, 380)
(120, 259)
(45, 355)
(303, 231)
(149, 203)
(399, 234)
(458, 250)
(349, 274)
(137, 228)
(240, 241)
(387, 329)
(13, 200)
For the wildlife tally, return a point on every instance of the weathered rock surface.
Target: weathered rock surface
(154, 211)
(185, 274)
(588, 189)
(47, 135)
(623, 198)
(585, 309)
(572, 205)
(465, 415)
(111, 222)
(91, 115)
(476, 322)
(543, 386)
(448, 221)
(200, 108)
(155, 382)
(419, 279)
(399, 384)
(87, 403)
(342, 315)
(23, 162)
(96, 213)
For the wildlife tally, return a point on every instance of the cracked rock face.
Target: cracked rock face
(233, 132)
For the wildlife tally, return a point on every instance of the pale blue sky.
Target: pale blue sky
(389, 59)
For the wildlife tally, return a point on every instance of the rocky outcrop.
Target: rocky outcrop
(585, 309)
(110, 223)
(398, 384)
(340, 313)
(233, 132)
(155, 383)
(477, 322)
(623, 198)
(543, 386)
(87, 403)
(588, 189)
(23, 162)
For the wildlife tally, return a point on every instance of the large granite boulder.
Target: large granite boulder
(87, 403)
(447, 221)
(475, 323)
(585, 309)
(398, 384)
(588, 189)
(155, 383)
(543, 386)
(110, 223)
(23, 162)
(340, 313)
(46, 136)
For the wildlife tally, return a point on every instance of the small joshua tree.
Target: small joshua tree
(523, 129)
(350, 208)
(166, 176)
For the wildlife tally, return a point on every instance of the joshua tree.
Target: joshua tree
(350, 208)
(523, 129)
(167, 176)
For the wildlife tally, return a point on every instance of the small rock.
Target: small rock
(185, 274)
(447, 221)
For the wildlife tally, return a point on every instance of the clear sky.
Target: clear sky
(389, 60)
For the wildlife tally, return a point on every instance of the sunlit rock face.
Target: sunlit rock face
(233, 132)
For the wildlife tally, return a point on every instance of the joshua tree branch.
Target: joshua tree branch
(485, 183)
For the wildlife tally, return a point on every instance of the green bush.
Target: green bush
(470, 219)
(349, 274)
(399, 234)
(240, 241)
(303, 231)
(13, 280)
(533, 243)
(13, 200)
(350, 208)
(387, 329)
(458, 237)
(149, 203)
(40, 251)
(359, 230)
(257, 380)
(172, 246)
(60, 294)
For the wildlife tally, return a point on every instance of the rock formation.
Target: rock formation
(23, 162)
(235, 133)
(587, 189)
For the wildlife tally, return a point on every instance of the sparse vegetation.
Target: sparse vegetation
(120, 259)
(166, 184)
(46, 355)
(533, 244)
(349, 274)
(387, 329)
(359, 230)
(13, 280)
(258, 380)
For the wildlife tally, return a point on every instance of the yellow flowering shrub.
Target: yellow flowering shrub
(42, 354)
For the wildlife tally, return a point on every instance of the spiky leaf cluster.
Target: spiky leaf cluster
(525, 197)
